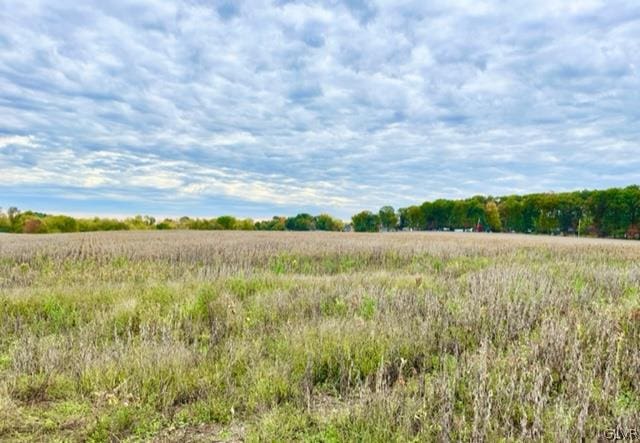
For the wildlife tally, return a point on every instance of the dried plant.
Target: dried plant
(175, 336)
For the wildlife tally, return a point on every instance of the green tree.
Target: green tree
(203, 224)
(301, 222)
(530, 212)
(476, 211)
(402, 218)
(493, 216)
(366, 221)
(149, 220)
(167, 224)
(460, 214)
(617, 210)
(388, 218)
(5, 224)
(415, 219)
(324, 222)
(183, 222)
(226, 222)
(275, 224)
(245, 225)
(61, 223)
(548, 221)
(139, 222)
(424, 216)
(586, 226)
(13, 214)
(511, 214)
(101, 224)
(441, 213)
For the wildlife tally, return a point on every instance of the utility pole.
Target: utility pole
(579, 225)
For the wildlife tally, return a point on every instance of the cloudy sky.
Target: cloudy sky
(256, 108)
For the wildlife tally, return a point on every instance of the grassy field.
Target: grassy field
(201, 336)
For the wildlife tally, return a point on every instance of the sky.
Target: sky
(265, 107)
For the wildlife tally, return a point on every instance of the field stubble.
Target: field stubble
(317, 336)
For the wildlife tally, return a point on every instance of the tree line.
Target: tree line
(29, 222)
(612, 212)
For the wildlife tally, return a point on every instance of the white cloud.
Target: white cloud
(17, 140)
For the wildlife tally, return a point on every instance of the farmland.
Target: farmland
(280, 336)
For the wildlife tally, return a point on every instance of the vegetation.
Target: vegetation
(366, 221)
(388, 218)
(186, 335)
(610, 213)
(30, 222)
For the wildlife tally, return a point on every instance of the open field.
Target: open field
(194, 336)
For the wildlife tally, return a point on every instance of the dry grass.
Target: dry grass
(179, 336)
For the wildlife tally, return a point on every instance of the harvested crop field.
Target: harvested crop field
(247, 336)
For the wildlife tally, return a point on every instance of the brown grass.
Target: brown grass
(317, 336)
